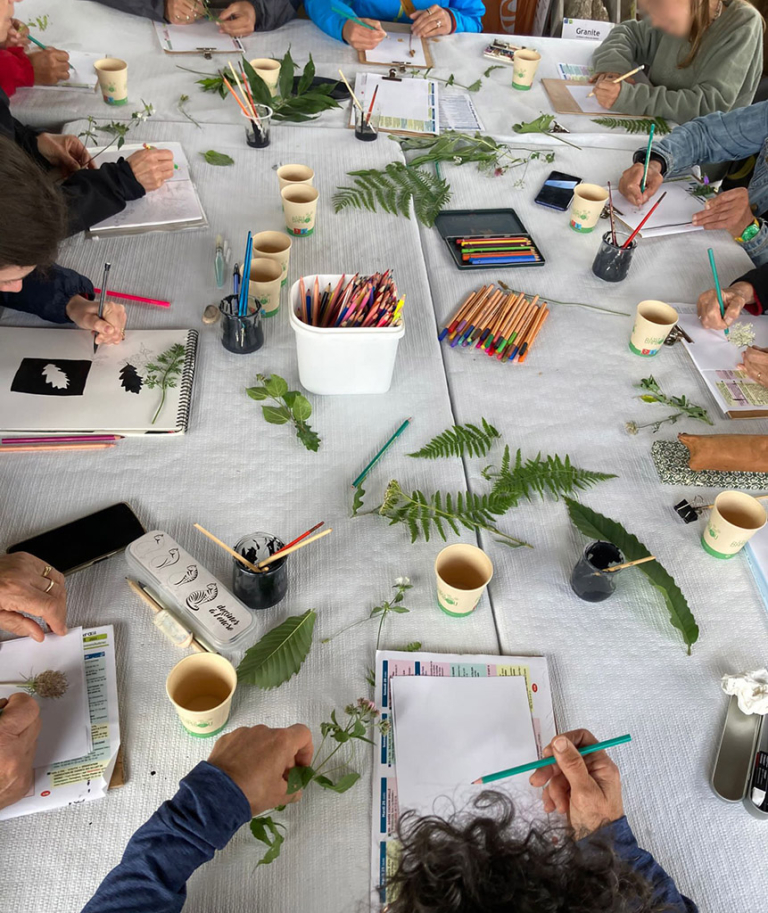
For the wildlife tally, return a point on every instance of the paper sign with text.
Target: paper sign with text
(588, 29)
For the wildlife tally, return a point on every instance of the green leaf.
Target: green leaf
(596, 526)
(496, 66)
(268, 832)
(285, 80)
(541, 124)
(309, 438)
(301, 408)
(341, 785)
(276, 386)
(259, 89)
(634, 124)
(276, 415)
(279, 654)
(393, 190)
(412, 647)
(457, 441)
(257, 393)
(217, 158)
(306, 77)
(475, 86)
(298, 777)
(357, 500)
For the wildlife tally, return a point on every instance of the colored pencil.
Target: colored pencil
(352, 18)
(102, 296)
(228, 84)
(530, 333)
(647, 158)
(620, 78)
(547, 762)
(472, 240)
(491, 338)
(718, 289)
(373, 102)
(381, 452)
(65, 439)
(533, 337)
(610, 212)
(458, 321)
(504, 260)
(486, 321)
(511, 330)
(518, 333)
(23, 448)
(283, 553)
(302, 536)
(226, 548)
(650, 212)
(35, 41)
(156, 301)
(363, 302)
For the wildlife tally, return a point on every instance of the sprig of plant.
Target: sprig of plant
(120, 129)
(451, 81)
(357, 499)
(49, 684)
(702, 191)
(211, 82)
(542, 124)
(573, 304)
(217, 158)
(495, 66)
(654, 394)
(394, 189)
(183, 99)
(337, 737)
(305, 102)
(402, 585)
(634, 125)
(460, 148)
(164, 373)
(41, 23)
(89, 134)
(291, 406)
(457, 441)
(209, 13)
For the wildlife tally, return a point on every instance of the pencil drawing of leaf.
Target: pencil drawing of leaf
(130, 379)
(280, 654)
(459, 440)
(55, 377)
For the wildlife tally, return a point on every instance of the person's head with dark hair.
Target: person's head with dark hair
(33, 219)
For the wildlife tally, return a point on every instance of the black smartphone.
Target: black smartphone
(557, 191)
(83, 542)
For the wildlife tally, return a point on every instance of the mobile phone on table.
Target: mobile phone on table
(557, 191)
(83, 542)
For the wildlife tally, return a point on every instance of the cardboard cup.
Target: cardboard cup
(463, 572)
(264, 290)
(588, 203)
(290, 175)
(274, 245)
(200, 687)
(734, 519)
(113, 80)
(269, 70)
(299, 208)
(524, 67)
(653, 322)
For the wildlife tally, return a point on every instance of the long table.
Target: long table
(616, 666)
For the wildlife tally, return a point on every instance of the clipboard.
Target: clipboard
(201, 37)
(395, 31)
(564, 103)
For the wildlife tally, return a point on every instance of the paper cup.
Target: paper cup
(113, 80)
(264, 289)
(653, 323)
(200, 687)
(274, 246)
(269, 70)
(735, 518)
(463, 572)
(524, 67)
(299, 208)
(588, 203)
(290, 175)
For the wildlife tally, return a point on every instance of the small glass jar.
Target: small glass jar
(257, 131)
(612, 261)
(588, 580)
(262, 589)
(240, 335)
(366, 128)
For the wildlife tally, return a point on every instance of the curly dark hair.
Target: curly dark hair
(484, 860)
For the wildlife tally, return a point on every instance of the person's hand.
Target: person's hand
(607, 92)
(630, 182)
(729, 210)
(23, 588)
(362, 39)
(586, 789)
(109, 328)
(238, 19)
(431, 22)
(151, 167)
(19, 729)
(64, 151)
(50, 66)
(734, 299)
(18, 35)
(599, 77)
(182, 12)
(755, 363)
(258, 760)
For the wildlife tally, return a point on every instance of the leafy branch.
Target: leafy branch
(654, 394)
(459, 440)
(305, 102)
(181, 105)
(118, 129)
(542, 124)
(634, 125)
(211, 82)
(402, 585)
(164, 373)
(291, 406)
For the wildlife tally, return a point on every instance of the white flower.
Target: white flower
(403, 581)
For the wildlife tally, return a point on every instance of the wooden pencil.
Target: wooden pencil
(511, 305)
(460, 322)
(467, 303)
(466, 325)
(484, 321)
(530, 342)
(283, 553)
(525, 332)
(506, 330)
(226, 548)
(522, 321)
(495, 327)
(37, 448)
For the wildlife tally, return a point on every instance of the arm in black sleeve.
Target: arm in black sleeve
(150, 9)
(758, 279)
(271, 14)
(48, 292)
(95, 195)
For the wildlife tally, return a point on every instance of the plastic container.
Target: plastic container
(734, 771)
(350, 360)
(191, 592)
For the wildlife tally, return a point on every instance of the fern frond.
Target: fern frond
(634, 125)
(393, 190)
(550, 474)
(459, 440)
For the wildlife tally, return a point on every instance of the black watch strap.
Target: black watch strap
(639, 156)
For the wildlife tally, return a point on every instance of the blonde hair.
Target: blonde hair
(701, 22)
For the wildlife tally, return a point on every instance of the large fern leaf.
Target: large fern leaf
(393, 190)
(457, 441)
(279, 654)
(634, 124)
(596, 526)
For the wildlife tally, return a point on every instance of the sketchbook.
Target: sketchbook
(51, 381)
(174, 205)
(82, 74)
(736, 394)
(674, 215)
(196, 38)
(409, 106)
(536, 731)
(399, 49)
(570, 97)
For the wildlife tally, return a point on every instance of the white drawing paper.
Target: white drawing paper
(398, 47)
(588, 105)
(195, 37)
(673, 216)
(82, 74)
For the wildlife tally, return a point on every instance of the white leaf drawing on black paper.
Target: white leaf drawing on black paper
(200, 597)
(130, 379)
(55, 377)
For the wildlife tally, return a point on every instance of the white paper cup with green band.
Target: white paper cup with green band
(274, 245)
(463, 572)
(269, 70)
(588, 202)
(524, 66)
(653, 323)
(201, 687)
(264, 287)
(113, 80)
(289, 175)
(734, 519)
(299, 209)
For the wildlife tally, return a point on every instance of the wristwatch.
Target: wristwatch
(749, 232)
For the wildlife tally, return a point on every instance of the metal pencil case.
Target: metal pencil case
(732, 778)
(477, 223)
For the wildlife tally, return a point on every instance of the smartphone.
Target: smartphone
(557, 191)
(83, 542)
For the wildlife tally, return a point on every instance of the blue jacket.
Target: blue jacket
(47, 293)
(467, 13)
(721, 137)
(206, 812)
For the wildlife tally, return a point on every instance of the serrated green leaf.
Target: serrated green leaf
(276, 386)
(341, 785)
(279, 654)
(217, 158)
(270, 833)
(257, 393)
(458, 441)
(597, 526)
(301, 408)
(276, 415)
(298, 778)
(357, 500)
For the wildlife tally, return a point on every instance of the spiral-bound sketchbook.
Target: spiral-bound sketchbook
(51, 381)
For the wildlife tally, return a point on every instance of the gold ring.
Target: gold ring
(50, 586)
(47, 570)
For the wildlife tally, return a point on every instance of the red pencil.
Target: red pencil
(648, 216)
(370, 110)
(302, 536)
(157, 302)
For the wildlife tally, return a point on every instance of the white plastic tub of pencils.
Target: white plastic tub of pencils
(336, 357)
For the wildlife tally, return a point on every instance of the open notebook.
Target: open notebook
(673, 217)
(51, 381)
(410, 106)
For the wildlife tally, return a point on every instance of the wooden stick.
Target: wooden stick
(620, 567)
(287, 551)
(620, 79)
(354, 97)
(226, 548)
(36, 448)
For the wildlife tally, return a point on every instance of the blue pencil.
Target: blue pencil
(509, 260)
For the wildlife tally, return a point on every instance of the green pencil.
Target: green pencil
(545, 762)
(647, 158)
(381, 453)
(38, 43)
(352, 18)
(717, 285)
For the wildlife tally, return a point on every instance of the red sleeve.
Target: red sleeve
(15, 70)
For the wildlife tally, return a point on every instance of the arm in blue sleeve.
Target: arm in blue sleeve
(184, 833)
(47, 293)
(468, 14)
(320, 12)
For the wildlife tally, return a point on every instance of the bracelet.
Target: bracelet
(453, 20)
(749, 232)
